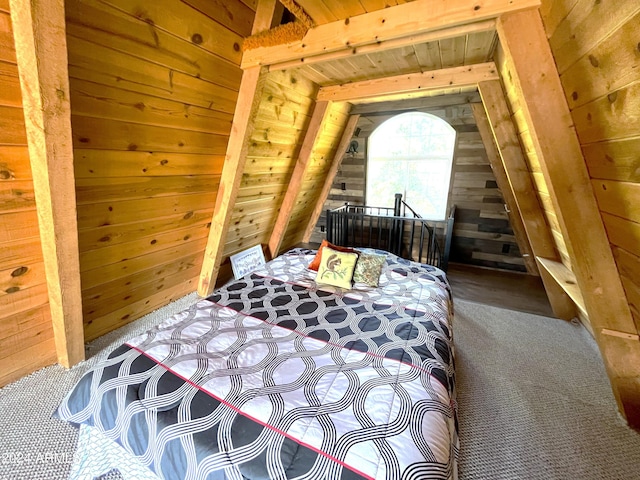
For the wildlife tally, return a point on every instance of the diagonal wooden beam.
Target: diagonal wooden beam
(556, 144)
(454, 77)
(521, 184)
(513, 212)
(412, 18)
(249, 96)
(314, 130)
(41, 50)
(347, 135)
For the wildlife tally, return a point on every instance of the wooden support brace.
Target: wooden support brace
(249, 96)
(347, 134)
(41, 51)
(545, 111)
(320, 112)
(408, 19)
(382, 46)
(513, 212)
(415, 82)
(523, 190)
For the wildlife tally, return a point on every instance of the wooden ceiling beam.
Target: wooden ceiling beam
(408, 19)
(345, 140)
(513, 212)
(382, 46)
(455, 77)
(400, 106)
(314, 130)
(41, 51)
(249, 96)
(556, 144)
(523, 190)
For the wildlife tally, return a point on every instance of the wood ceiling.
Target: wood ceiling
(451, 52)
(433, 51)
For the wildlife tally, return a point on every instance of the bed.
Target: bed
(279, 376)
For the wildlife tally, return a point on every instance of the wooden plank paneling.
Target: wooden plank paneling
(113, 213)
(497, 167)
(586, 25)
(615, 159)
(26, 332)
(93, 190)
(405, 20)
(558, 149)
(102, 101)
(251, 90)
(153, 90)
(314, 130)
(417, 82)
(609, 66)
(613, 116)
(137, 35)
(39, 32)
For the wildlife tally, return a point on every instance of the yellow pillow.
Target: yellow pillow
(336, 268)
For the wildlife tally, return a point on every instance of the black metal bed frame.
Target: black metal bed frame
(399, 230)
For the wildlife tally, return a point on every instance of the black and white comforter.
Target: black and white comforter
(275, 376)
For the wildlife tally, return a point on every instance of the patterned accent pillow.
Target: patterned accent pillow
(315, 263)
(336, 268)
(368, 269)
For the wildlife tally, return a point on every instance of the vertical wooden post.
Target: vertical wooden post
(556, 144)
(345, 140)
(519, 178)
(41, 51)
(513, 212)
(320, 112)
(249, 96)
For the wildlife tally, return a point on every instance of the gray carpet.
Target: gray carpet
(533, 397)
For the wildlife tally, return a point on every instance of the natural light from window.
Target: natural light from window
(411, 154)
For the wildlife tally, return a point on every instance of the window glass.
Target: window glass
(411, 154)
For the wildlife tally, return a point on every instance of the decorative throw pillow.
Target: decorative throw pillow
(315, 263)
(368, 269)
(336, 268)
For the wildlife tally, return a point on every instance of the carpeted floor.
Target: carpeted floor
(534, 403)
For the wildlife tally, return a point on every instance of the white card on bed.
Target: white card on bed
(247, 261)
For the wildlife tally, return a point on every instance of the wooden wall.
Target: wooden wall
(320, 162)
(26, 333)
(153, 90)
(282, 120)
(482, 234)
(596, 50)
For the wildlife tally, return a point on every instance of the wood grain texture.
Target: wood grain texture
(25, 316)
(250, 94)
(370, 28)
(153, 88)
(336, 163)
(314, 130)
(416, 82)
(559, 152)
(515, 218)
(42, 58)
(521, 184)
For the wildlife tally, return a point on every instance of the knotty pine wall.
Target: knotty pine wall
(153, 90)
(282, 120)
(596, 49)
(319, 164)
(482, 233)
(533, 164)
(26, 332)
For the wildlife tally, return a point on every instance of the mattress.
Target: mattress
(277, 376)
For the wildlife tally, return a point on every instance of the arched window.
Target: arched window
(411, 154)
